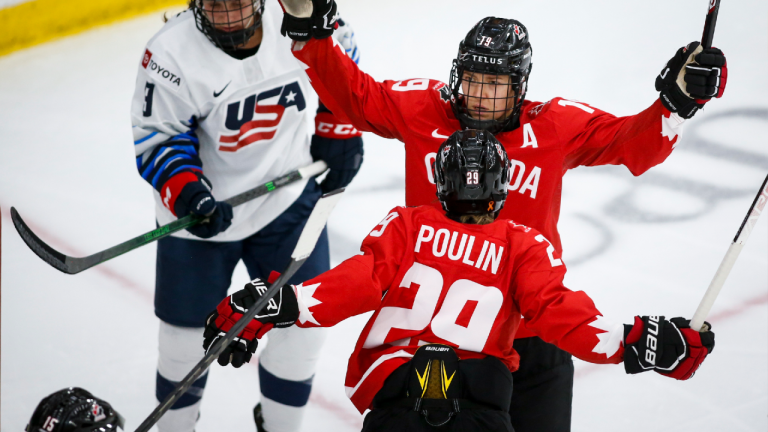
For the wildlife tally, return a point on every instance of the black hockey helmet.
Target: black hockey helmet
(74, 410)
(213, 15)
(493, 47)
(471, 171)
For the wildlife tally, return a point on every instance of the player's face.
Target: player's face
(488, 97)
(229, 15)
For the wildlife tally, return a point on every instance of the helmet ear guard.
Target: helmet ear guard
(227, 40)
(493, 47)
(472, 173)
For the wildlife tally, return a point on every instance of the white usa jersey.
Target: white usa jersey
(251, 119)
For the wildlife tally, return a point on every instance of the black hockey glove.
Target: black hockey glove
(195, 198)
(670, 348)
(281, 311)
(691, 78)
(340, 146)
(318, 26)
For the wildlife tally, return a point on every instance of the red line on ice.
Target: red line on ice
(315, 397)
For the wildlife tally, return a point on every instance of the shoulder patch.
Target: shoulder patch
(444, 91)
(536, 110)
(160, 72)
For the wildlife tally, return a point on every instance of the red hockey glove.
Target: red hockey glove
(281, 311)
(691, 78)
(671, 348)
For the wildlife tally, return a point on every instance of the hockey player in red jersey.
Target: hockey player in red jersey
(487, 90)
(448, 289)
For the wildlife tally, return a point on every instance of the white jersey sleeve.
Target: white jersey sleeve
(241, 123)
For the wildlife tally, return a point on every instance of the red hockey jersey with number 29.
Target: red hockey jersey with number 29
(429, 279)
(553, 137)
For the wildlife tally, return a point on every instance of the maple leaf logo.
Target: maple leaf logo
(609, 342)
(672, 127)
(306, 300)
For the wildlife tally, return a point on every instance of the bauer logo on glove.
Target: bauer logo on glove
(281, 311)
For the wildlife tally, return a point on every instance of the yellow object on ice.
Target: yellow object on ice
(37, 21)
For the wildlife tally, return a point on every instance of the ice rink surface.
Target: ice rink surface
(646, 245)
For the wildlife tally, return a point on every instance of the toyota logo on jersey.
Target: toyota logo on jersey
(268, 116)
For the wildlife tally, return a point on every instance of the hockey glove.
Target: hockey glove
(190, 193)
(691, 78)
(281, 311)
(340, 146)
(300, 27)
(345, 36)
(671, 348)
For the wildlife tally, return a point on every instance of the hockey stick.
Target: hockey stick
(73, 265)
(709, 24)
(730, 257)
(301, 252)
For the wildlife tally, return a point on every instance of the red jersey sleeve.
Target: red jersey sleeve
(568, 319)
(593, 137)
(356, 285)
(354, 96)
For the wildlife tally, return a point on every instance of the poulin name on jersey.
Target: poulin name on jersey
(444, 242)
(152, 65)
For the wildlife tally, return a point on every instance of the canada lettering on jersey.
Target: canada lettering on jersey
(240, 116)
(444, 244)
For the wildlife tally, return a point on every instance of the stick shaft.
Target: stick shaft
(758, 204)
(709, 24)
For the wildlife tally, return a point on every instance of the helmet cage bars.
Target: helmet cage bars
(74, 410)
(472, 173)
(490, 74)
(228, 24)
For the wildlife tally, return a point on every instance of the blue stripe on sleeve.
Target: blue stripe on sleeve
(162, 168)
(137, 142)
(184, 167)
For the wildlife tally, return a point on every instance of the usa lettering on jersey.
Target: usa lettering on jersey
(240, 116)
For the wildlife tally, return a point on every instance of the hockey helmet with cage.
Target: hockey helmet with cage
(472, 172)
(74, 410)
(494, 47)
(229, 24)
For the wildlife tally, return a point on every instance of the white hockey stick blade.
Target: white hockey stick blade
(697, 322)
(315, 224)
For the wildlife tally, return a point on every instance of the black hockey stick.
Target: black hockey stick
(301, 252)
(73, 265)
(709, 24)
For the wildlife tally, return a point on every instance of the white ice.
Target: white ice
(646, 245)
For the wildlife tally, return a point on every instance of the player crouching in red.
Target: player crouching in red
(448, 291)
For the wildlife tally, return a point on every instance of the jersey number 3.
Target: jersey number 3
(465, 318)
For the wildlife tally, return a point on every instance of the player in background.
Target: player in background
(448, 289)
(487, 90)
(220, 107)
(74, 410)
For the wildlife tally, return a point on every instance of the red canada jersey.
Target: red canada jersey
(430, 279)
(553, 136)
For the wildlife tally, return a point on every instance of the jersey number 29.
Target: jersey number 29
(464, 297)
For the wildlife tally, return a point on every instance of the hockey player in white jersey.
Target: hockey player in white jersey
(221, 106)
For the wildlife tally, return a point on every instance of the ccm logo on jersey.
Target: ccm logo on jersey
(447, 243)
(240, 116)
